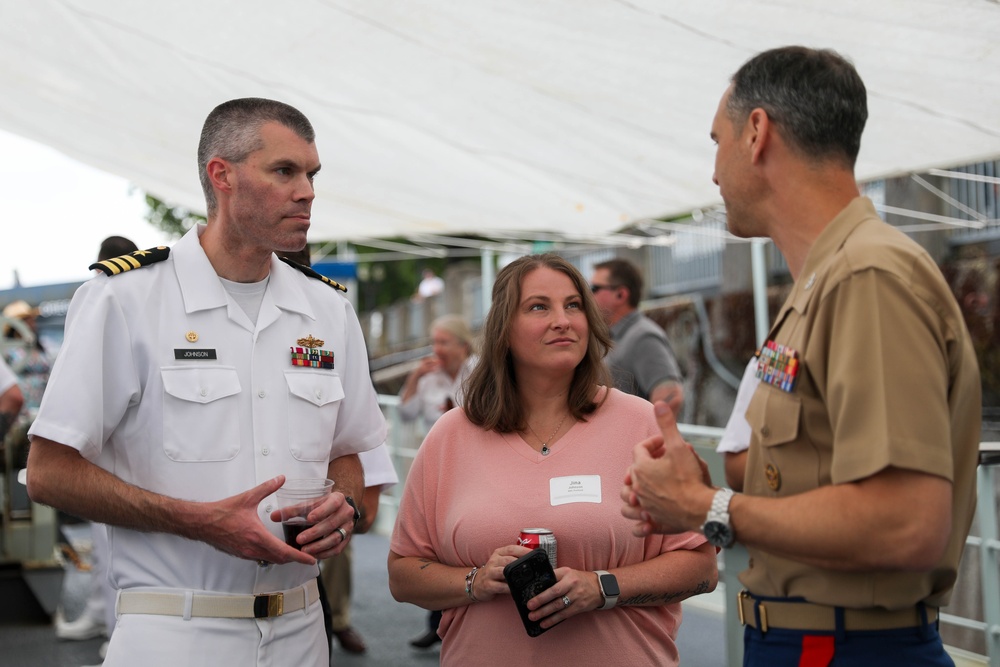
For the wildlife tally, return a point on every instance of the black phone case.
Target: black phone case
(528, 576)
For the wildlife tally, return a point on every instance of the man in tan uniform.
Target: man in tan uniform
(859, 484)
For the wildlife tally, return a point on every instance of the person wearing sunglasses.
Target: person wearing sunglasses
(642, 362)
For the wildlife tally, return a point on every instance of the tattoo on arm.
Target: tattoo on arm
(426, 563)
(652, 599)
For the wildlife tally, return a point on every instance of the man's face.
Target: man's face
(607, 294)
(732, 162)
(273, 191)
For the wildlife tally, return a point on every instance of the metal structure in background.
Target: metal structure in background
(989, 464)
(684, 257)
(404, 440)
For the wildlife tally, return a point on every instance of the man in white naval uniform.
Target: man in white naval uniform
(194, 381)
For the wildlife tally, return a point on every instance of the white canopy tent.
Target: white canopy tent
(574, 116)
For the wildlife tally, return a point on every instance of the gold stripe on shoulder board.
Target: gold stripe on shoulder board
(133, 260)
(313, 274)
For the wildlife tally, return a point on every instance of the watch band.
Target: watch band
(610, 596)
(357, 513)
(717, 527)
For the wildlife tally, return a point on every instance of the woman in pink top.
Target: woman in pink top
(541, 441)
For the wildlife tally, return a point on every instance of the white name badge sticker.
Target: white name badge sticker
(576, 489)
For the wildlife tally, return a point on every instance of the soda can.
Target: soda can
(533, 538)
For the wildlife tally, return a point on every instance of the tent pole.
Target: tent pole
(488, 273)
(758, 265)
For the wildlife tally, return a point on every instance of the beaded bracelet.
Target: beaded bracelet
(470, 580)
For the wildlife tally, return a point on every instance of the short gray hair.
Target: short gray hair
(232, 132)
(815, 97)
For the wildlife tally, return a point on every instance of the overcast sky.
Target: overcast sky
(56, 211)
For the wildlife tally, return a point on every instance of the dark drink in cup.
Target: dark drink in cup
(296, 501)
(292, 528)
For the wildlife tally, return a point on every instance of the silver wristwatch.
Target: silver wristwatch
(717, 527)
(609, 588)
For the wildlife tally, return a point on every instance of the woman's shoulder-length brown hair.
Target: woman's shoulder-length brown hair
(491, 397)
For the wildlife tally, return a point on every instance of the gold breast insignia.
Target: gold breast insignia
(309, 354)
(773, 476)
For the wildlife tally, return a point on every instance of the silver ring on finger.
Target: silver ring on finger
(343, 534)
(566, 601)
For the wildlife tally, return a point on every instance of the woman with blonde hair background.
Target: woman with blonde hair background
(434, 386)
(430, 390)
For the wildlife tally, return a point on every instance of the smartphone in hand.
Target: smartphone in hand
(526, 577)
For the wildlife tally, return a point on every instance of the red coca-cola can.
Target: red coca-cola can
(533, 538)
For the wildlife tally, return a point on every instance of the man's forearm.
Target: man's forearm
(895, 520)
(348, 476)
(60, 477)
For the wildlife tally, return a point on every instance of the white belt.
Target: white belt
(189, 604)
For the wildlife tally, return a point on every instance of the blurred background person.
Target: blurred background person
(430, 390)
(541, 441)
(434, 386)
(115, 246)
(430, 285)
(30, 361)
(11, 398)
(642, 360)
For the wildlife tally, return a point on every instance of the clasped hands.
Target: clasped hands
(667, 488)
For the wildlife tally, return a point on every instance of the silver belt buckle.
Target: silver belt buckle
(268, 605)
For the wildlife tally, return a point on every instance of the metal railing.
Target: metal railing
(404, 440)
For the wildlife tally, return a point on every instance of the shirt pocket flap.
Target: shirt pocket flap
(200, 385)
(316, 388)
(781, 416)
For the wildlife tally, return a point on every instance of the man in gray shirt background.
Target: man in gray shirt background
(642, 361)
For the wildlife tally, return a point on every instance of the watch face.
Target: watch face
(718, 534)
(609, 584)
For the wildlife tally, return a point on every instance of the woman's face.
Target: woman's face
(549, 331)
(449, 350)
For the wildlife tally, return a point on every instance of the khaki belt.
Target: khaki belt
(808, 616)
(191, 605)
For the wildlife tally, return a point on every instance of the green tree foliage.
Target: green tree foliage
(382, 283)
(173, 220)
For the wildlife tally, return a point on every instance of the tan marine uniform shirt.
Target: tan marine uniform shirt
(887, 377)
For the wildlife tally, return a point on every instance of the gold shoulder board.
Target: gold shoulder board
(133, 260)
(312, 274)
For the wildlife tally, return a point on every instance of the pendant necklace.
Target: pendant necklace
(545, 443)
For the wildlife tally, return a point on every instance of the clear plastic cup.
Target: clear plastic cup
(296, 499)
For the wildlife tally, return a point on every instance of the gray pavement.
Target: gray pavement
(385, 624)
